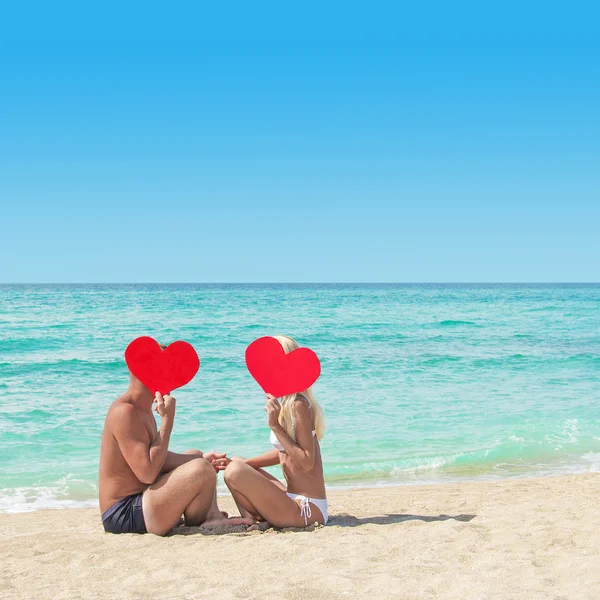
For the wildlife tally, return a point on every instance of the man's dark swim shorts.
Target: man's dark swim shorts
(126, 516)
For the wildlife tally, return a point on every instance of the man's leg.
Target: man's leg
(215, 517)
(214, 513)
(189, 489)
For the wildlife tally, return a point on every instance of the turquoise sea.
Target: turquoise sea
(420, 383)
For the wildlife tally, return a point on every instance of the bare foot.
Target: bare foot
(216, 515)
(227, 521)
(260, 526)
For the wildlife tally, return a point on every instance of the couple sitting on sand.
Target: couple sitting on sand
(145, 488)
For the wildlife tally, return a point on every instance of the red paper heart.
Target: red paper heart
(162, 370)
(278, 373)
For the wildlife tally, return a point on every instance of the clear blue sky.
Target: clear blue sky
(278, 142)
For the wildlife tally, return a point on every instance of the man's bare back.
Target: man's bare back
(117, 480)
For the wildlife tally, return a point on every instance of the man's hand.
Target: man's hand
(273, 409)
(212, 456)
(165, 406)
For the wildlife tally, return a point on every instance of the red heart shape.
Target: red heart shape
(278, 373)
(162, 370)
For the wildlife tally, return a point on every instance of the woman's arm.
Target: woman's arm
(268, 459)
(302, 451)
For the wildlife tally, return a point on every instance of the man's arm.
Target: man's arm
(174, 460)
(146, 461)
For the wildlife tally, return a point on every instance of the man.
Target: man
(144, 488)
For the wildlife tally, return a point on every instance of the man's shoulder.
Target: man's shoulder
(120, 409)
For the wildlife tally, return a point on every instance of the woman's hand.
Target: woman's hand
(220, 464)
(213, 455)
(273, 409)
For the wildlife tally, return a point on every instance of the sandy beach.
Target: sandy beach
(519, 538)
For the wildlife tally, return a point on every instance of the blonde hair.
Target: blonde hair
(287, 416)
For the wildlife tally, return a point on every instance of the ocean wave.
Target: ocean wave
(21, 346)
(425, 464)
(480, 464)
(563, 449)
(29, 414)
(457, 323)
(439, 360)
(67, 492)
(71, 365)
(31, 499)
(582, 357)
(569, 434)
(538, 309)
(513, 360)
(593, 458)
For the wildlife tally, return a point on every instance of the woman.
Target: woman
(297, 424)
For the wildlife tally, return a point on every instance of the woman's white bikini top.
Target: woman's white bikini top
(273, 439)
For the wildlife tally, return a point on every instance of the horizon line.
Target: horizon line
(16, 283)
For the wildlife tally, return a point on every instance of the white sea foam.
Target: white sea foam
(67, 492)
(16, 500)
(594, 459)
(425, 464)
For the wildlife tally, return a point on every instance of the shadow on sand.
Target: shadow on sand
(346, 520)
(339, 520)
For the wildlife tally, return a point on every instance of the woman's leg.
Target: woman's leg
(244, 505)
(260, 496)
